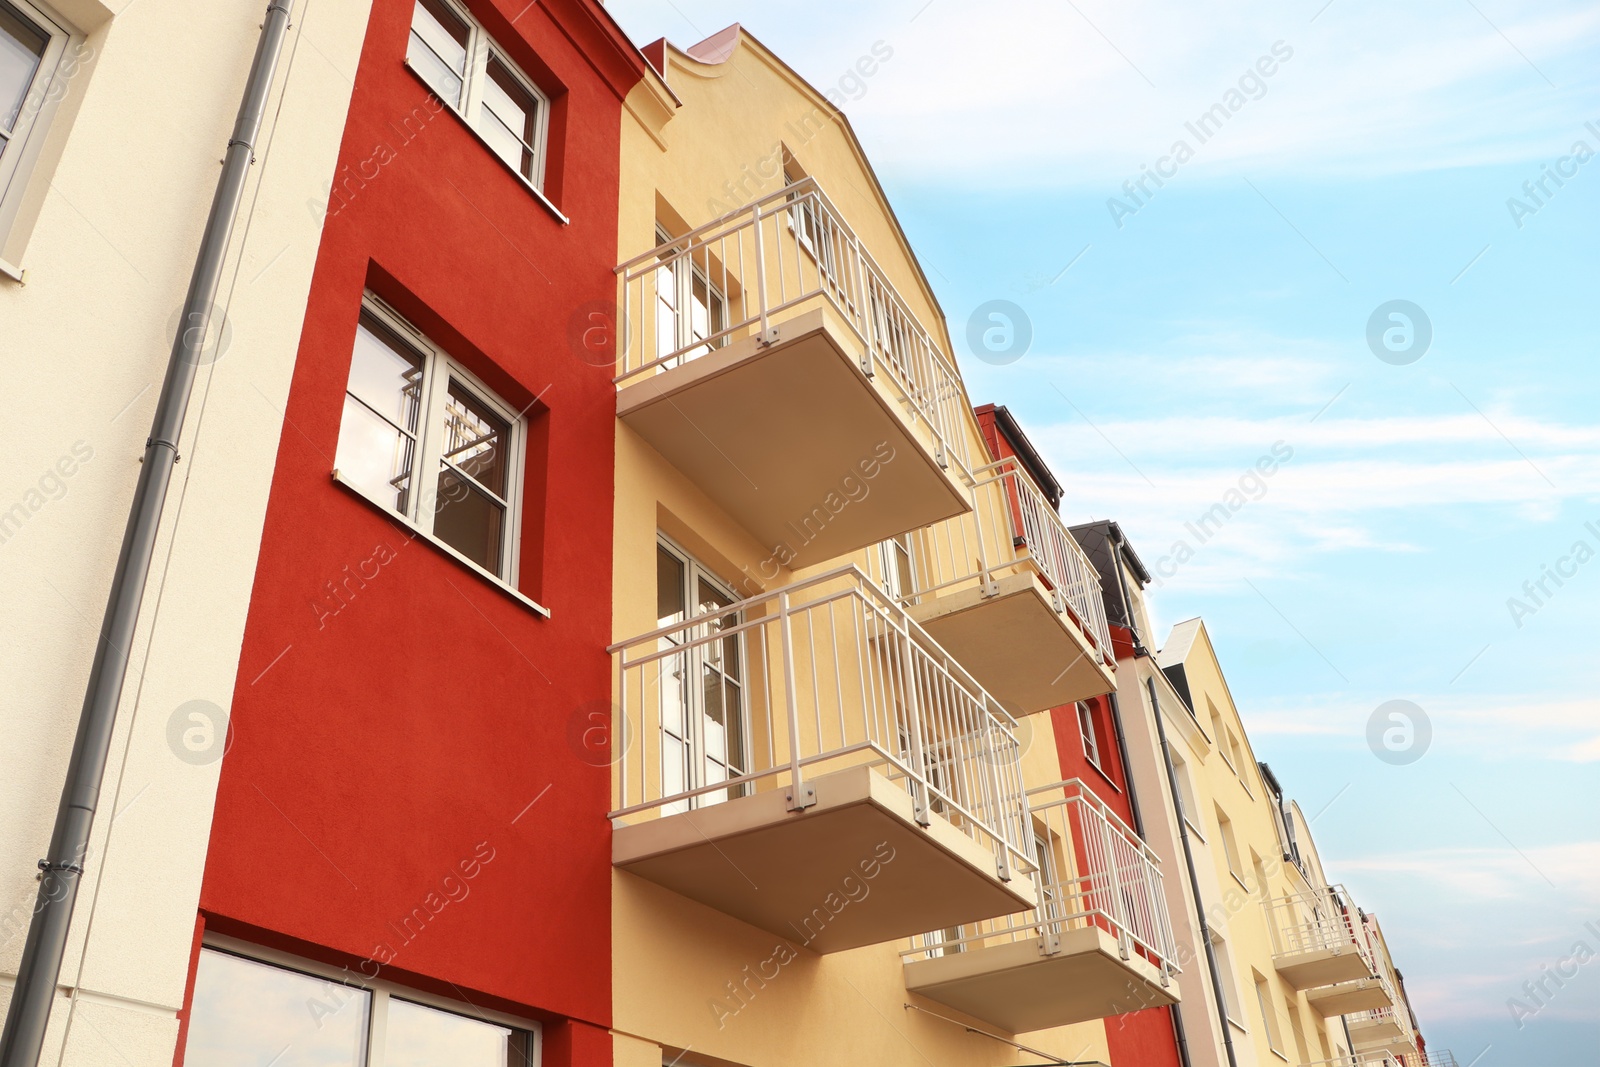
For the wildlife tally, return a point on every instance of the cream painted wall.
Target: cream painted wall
(673, 958)
(1234, 899)
(108, 239)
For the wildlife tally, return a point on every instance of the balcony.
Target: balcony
(810, 762)
(1383, 1030)
(1347, 998)
(1319, 939)
(1098, 944)
(767, 356)
(1007, 590)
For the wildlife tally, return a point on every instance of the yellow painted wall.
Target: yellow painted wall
(1227, 782)
(674, 959)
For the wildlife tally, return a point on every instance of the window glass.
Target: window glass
(377, 438)
(420, 1036)
(510, 119)
(22, 46)
(438, 49)
(249, 1013)
(470, 514)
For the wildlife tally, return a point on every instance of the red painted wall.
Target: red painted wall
(410, 755)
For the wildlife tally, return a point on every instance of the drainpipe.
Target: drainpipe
(1194, 880)
(40, 970)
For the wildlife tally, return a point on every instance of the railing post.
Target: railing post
(801, 795)
(761, 282)
(919, 763)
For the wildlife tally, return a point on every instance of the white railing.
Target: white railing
(790, 251)
(1091, 869)
(1358, 1059)
(1012, 528)
(1318, 922)
(1444, 1058)
(774, 691)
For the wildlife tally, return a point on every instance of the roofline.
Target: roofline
(1026, 452)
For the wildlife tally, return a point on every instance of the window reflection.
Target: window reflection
(246, 1012)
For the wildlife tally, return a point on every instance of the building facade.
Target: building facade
(592, 623)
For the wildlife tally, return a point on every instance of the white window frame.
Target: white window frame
(481, 48)
(890, 552)
(437, 371)
(1091, 739)
(27, 137)
(694, 708)
(380, 989)
(683, 272)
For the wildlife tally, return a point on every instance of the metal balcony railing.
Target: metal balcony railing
(1011, 529)
(1358, 1059)
(821, 675)
(1444, 1058)
(788, 252)
(1311, 922)
(1091, 869)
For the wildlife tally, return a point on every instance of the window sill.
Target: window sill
(1242, 883)
(14, 272)
(1280, 1055)
(423, 535)
(1101, 772)
(523, 178)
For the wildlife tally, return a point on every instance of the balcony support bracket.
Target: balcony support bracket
(1049, 944)
(802, 797)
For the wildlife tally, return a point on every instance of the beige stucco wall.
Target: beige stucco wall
(108, 239)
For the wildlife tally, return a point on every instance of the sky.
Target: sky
(1434, 460)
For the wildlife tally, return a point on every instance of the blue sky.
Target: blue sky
(1229, 313)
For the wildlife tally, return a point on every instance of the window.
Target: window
(31, 47)
(423, 438)
(894, 557)
(1091, 742)
(702, 688)
(806, 218)
(1230, 990)
(1190, 809)
(469, 72)
(1230, 846)
(691, 311)
(247, 1011)
(1269, 1014)
(1046, 879)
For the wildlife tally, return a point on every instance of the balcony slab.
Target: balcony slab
(1317, 967)
(1030, 657)
(782, 436)
(853, 869)
(1347, 998)
(1019, 989)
